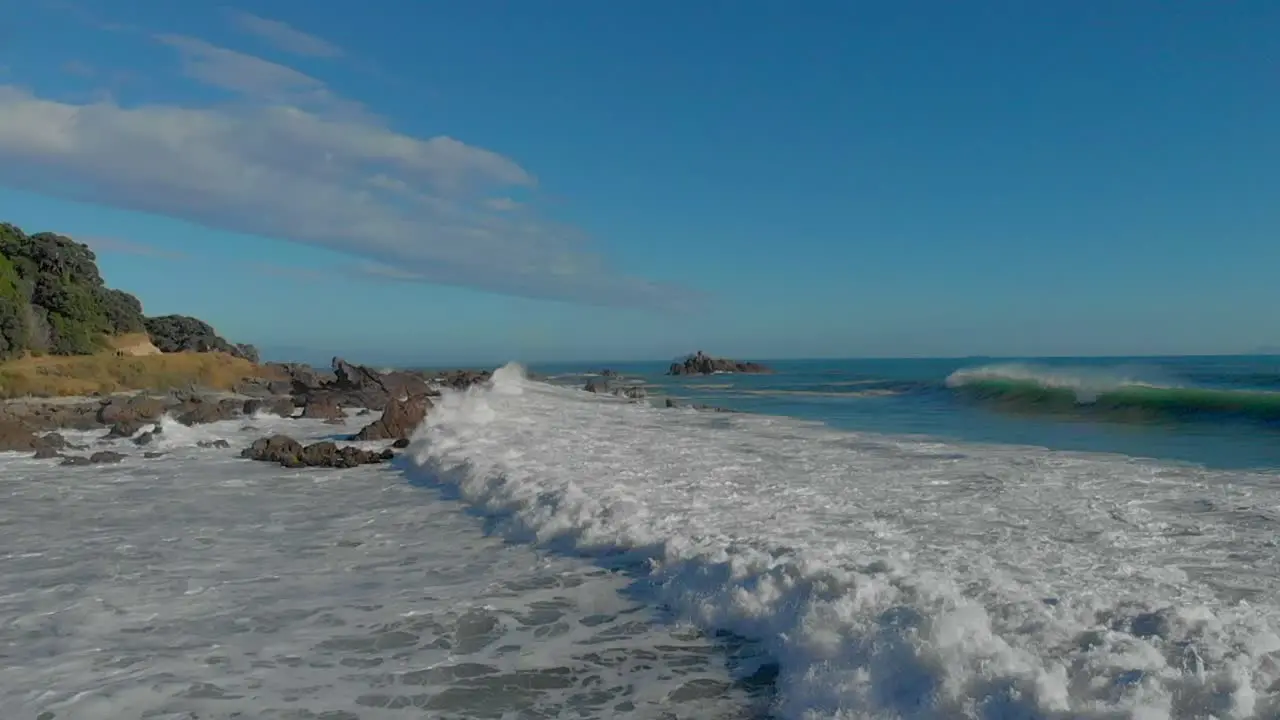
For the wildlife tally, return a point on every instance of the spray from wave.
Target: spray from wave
(884, 578)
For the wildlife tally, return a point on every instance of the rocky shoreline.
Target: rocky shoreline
(401, 400)
(396, 402)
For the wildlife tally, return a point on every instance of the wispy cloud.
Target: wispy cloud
(290, 159)
(125, 247)
(418, 205)
(284, 36)
(245, 74)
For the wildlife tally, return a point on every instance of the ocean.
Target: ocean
(863, 539)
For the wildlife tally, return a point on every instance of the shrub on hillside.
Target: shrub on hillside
(178, 333)
(53, 300)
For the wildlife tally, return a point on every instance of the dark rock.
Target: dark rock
(609, 373)
(702, 364)
(671, 403)
(282, 406)
(213, 444)
(200, 411)
(53, 440)
(136, 409)
(45, 453)
(634, 392)
(353, 386)
(394, 384)
(51, 415)
(398, 419)
(302, 379)
(254, 387)
(17, 437)
(149, 436)
(102, 457)
(323, 407)
(596, 386)
(400, 444)
(461, 379)
(125, 428)
(290, 453)
(151, 455)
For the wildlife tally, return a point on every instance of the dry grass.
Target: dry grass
(137, 344)
(108, 372)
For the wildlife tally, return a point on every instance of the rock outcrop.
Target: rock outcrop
(16, 437)
(398, 419)
(290, 453)
(702, 364)
(461, 379)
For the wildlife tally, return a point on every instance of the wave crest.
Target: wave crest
(1032, 389)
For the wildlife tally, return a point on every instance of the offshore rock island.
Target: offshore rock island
(700, 363)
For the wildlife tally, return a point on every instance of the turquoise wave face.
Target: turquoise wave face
(1025, 390)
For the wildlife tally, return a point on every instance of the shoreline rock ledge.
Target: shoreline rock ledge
(702, 364)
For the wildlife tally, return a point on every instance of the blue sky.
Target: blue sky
(479, 181)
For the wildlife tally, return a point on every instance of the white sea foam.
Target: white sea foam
(891, 577)
(200, 585)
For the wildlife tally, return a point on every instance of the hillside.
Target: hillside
(54, 303)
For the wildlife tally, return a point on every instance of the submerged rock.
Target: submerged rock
(102, 457)
(633, 392)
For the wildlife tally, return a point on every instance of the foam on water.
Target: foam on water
(200, 585)
(893, 577)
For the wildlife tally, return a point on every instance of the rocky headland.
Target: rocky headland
(77, 355)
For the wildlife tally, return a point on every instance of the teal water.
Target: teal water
(1219, 412)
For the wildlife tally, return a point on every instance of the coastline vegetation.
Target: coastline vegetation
(64, 332)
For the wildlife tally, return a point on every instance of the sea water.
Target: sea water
(544, 552)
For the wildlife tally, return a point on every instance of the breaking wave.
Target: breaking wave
(1031, 389)
(888, 577)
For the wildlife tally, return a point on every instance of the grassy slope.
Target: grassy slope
(106, 372)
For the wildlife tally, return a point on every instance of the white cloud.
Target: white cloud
(245, 74)
(417, 205)
(285, 36)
